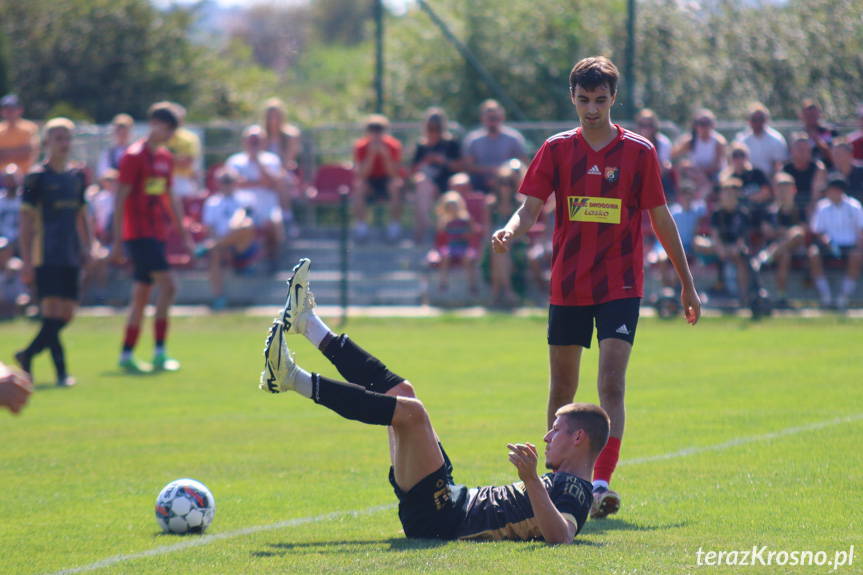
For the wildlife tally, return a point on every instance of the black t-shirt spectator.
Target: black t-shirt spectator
(732, 226)
(803, 181)
(753, 180)
(783, 220)
(439, 174)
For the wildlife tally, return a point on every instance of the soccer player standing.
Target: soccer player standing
(603, 177)
(144, 205)
(54, 241)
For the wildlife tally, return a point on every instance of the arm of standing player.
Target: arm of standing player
(25, 244)
(177, 215)
(554, 527)
(117, 223)
(667, 234)
(521, 221)
(85, 234)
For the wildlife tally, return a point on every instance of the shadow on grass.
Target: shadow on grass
(347, 547)
(132, 374)
(603, 525)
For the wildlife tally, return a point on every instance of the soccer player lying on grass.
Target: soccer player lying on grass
(552, 507)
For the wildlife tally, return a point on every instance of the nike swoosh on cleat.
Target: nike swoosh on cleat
(271, 381)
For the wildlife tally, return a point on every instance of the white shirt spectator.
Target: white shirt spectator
(765, 150)
(102, 205)
(842, 223)
(219, 210)
(109, 159)
(10, 209)
(262, 203)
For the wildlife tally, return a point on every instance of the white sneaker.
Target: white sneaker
(281, 368)
(300, 300)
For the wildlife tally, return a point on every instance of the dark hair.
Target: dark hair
(592, 73)
(589, 417)
(164, 112)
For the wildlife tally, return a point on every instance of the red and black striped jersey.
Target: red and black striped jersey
(146, 212)
(597, 247)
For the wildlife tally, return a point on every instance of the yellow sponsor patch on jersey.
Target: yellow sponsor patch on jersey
(599, 210)
(156, 186)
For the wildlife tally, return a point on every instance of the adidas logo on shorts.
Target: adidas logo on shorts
(594, 171)
(622, 330)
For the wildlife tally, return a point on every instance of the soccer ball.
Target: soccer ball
(185, 506)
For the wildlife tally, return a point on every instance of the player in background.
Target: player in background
(603, 177)
(55, 242)
(553, 507)
(145, 202)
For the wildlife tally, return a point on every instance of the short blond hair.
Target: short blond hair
(55, 124)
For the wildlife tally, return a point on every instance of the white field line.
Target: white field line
(207, 539)
(743, 440)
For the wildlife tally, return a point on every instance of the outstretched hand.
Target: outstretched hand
(524, 457)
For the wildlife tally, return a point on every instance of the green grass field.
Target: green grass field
(739, 434)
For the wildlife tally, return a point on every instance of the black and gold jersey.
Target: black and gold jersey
(505, 512)
(55, 199)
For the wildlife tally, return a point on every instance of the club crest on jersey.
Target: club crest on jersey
(611, 174)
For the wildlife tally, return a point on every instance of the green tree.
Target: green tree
(98, 56)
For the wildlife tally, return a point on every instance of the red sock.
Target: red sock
(161, 331)
(607, 460)
(132, 332)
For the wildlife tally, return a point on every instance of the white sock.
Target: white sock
(303, 383)
(316, 330)
(823, 288)
(848, 286)
(599, 483)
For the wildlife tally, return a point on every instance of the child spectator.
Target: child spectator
(837, 227)
(100, 207)
(688, 213)
(437, 157)
(756, 194)
(729, 233)
(456, 230)
(788, 237)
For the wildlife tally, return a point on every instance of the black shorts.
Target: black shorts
(835, 253)
(573, 325)
(148, 256)
(378, 189)
(431, 510)
(57, 281)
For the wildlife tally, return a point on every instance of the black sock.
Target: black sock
(57, 352)
(353, 401)
(359, 366)
(50, 327)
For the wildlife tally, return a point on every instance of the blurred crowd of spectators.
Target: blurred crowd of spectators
(742, 205)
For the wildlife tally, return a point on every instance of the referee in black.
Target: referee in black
(54, 242)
